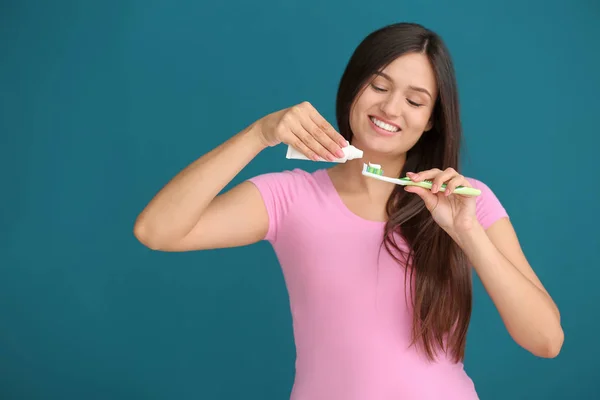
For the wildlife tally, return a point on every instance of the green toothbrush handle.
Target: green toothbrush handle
(465, 190)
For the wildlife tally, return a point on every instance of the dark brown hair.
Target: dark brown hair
(436, 268)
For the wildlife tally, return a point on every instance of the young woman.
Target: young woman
(379, 275)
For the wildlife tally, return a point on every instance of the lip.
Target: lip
(383, 132)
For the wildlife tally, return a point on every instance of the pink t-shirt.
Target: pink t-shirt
(351, 320)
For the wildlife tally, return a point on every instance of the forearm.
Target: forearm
(177, 207)
(530, 315)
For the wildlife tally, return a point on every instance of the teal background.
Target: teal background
(103, 102)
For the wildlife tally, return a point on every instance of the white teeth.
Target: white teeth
(383, 125)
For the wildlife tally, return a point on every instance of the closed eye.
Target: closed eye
(378, 89)
(412, 103)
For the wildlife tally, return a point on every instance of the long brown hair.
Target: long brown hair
(437, 269)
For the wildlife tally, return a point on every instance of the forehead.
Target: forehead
(412, 69)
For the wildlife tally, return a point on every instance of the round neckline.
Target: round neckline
(341, 205)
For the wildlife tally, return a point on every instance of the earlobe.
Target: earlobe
(429, 126)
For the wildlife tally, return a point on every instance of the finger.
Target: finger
(423, 175)
(428, 198)
(326, 128)
(309, 141)
(436, 176)
(323, 138)
(442, 178)
(302, 148)
(455, 182)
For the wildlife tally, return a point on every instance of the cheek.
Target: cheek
(353, 119)
(357, 115)
(418, 120)
(365, 101)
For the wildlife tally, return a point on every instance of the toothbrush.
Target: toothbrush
(375, 171)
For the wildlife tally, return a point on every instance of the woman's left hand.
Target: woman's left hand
(455, 213)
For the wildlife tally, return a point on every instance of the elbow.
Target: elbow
(556, 344)
(552, 344)
(142, 234)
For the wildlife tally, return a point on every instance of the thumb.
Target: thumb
(429, 198)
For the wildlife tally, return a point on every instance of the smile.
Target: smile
(384, 125)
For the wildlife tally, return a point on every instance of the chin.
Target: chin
(384, 146)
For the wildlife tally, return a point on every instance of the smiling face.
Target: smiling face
(394, 109)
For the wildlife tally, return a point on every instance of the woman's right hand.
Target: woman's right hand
(302, 127)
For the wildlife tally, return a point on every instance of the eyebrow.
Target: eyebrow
(415, 88)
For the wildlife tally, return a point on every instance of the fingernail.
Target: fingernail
(434, 188)
(339, 153)
(343, 143)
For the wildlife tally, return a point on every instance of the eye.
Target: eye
(412, 103)
(378, 89)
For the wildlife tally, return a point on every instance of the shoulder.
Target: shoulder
(296, 174)
(489, 208)
(281, 191)
(290, 181)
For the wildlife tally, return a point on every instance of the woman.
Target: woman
(378, 274)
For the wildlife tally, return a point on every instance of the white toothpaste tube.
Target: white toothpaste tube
(350, 153)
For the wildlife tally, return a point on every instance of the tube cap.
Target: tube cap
(353, 153)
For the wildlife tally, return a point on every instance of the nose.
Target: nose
(391, 106)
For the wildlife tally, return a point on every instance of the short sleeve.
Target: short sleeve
(278, 190)
(489, 209)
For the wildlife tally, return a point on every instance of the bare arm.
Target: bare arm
(172, 220)
(526, 308)
(188, 214)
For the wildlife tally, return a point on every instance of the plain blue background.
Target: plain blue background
(103, 102)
